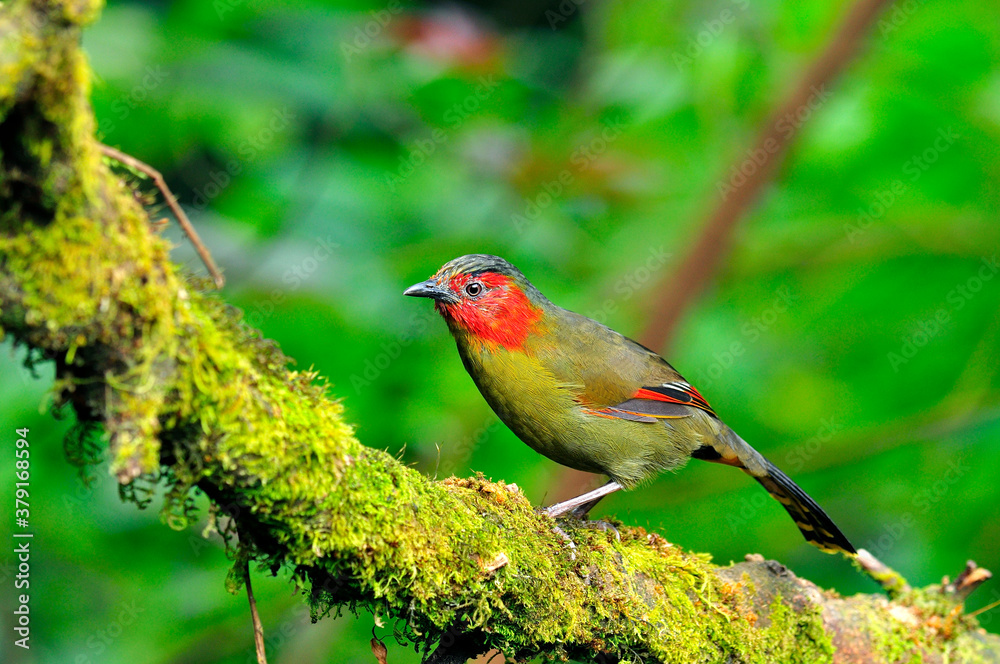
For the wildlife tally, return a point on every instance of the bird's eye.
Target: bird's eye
(474, 289)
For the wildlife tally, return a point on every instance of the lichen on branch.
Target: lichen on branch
(180, 390)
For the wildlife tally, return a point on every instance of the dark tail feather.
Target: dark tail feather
(814, 523)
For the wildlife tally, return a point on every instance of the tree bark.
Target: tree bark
(179, 390)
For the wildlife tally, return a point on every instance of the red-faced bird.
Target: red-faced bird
(590, 398)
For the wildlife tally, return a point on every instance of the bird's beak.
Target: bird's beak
(433, 290)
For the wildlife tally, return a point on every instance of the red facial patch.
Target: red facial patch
(503, 315)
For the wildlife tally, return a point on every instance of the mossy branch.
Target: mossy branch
(184, 392)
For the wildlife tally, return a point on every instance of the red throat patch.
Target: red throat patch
(503, 315)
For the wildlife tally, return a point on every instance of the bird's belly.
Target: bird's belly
(548, 419)
(531, 404)
(548, 431)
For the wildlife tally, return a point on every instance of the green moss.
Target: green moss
(800, 635)
(918, 623)
(183, 393)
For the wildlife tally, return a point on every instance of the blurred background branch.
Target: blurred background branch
(750, 175)
(743, 183)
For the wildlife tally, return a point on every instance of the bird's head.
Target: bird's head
(485, 299)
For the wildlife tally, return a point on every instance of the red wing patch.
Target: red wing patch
(649, 404)
(677, 392)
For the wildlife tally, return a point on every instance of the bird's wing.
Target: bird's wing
(655, 402)
(613, 376)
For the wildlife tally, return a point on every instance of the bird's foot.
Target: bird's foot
(606, 526)
(570, 544)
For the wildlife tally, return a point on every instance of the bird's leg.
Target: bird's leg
(579, 507)
(582, 511)
(582, 503)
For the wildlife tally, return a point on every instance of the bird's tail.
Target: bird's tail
(816, 526)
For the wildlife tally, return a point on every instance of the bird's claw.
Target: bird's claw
(570, 544)
(605, 526)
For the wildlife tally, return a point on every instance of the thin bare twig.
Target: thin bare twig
(182, 218)
(984, 609)
(891, 581)
(693, 275)
(971, 577)
(258, 627)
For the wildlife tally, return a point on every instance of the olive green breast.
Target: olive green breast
(547, 392)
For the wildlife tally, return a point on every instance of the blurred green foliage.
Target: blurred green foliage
(332, 154)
